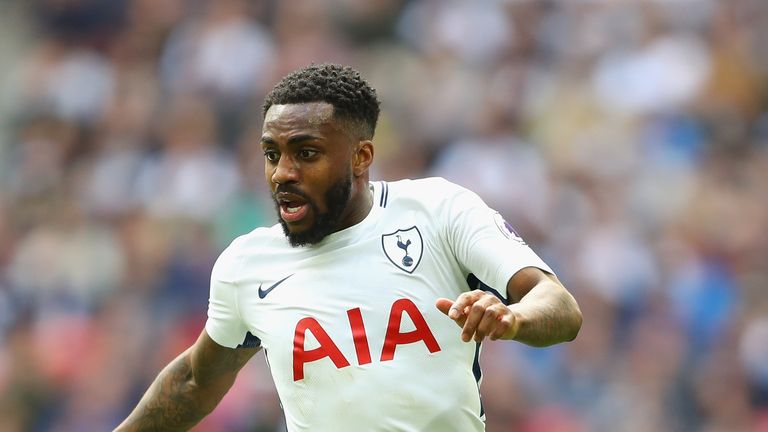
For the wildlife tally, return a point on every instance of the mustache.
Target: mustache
(289, 188)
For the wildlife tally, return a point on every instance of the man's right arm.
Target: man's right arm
(189, 388)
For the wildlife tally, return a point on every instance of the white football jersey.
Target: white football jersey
(349, 326)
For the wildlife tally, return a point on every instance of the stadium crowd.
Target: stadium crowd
(626, 141)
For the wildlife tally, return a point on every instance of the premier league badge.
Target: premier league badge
(506, 228)
(404, 248)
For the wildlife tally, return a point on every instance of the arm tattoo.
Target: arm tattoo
(178, 398)
(168, 404)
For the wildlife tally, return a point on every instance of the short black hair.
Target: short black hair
(352, 98)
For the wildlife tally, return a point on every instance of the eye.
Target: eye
(271, 155)
(307, 153)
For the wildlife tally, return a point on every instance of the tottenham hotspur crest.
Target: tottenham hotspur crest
(404, 248)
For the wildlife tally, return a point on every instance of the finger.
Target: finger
(489, 322)
(464, 301)
(448, 307)
(444, 305)
(475, 315)
(503, 325)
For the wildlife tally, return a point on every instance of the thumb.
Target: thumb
(444, 305)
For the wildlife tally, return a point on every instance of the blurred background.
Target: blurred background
(626, 141)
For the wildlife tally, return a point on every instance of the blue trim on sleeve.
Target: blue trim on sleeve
(250, 341)
(475, 283)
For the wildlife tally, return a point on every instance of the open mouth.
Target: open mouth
(292, 207)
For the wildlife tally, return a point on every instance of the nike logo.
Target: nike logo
(263, 293)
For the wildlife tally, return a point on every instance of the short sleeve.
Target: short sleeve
(484, 244)
(224, 324)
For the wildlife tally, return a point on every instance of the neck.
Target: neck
(360, 203)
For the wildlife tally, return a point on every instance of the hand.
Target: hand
(480, 315)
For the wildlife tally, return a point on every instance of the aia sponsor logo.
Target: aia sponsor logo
(393, 338)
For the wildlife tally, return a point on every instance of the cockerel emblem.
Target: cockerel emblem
(404, 248)
(407, 261)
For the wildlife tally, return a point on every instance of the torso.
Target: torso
(351, 287)
(349, 326)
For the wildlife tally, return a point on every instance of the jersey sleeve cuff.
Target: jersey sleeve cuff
(505, 273)
(218, 336)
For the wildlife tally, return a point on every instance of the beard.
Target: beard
(326, 223)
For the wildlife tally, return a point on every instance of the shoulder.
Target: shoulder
(433, 194)
(428, 190)
(259, 241)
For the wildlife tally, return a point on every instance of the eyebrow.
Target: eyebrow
(294, 140)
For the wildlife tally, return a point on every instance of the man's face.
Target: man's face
(307, 164)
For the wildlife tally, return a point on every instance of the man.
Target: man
(350, 294)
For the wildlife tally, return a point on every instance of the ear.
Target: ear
(363, 157)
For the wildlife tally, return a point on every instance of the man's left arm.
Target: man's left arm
(542, 312)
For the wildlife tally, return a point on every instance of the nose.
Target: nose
(285, 171)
